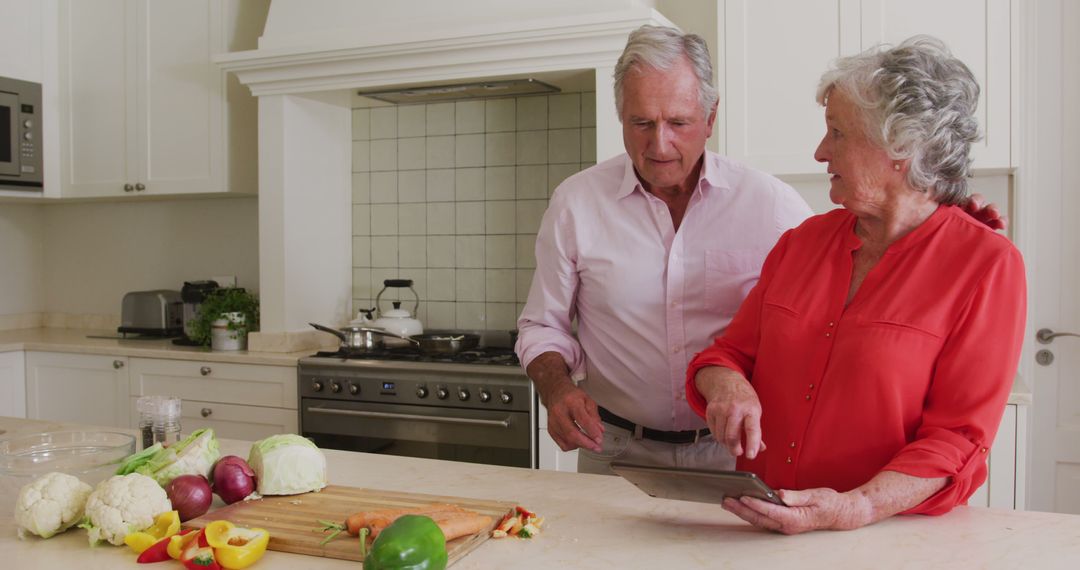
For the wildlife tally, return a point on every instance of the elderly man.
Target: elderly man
(652, 251)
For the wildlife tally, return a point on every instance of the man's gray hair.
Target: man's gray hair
(918, 102)
(661, 48)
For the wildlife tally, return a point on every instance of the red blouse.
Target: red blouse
(912, 376)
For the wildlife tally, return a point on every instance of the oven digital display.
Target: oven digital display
(389, 386)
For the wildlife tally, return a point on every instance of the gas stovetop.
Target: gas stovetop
(499, 356)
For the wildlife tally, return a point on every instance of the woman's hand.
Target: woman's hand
(733, 412)
(811, 509)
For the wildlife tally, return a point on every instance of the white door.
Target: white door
(1048, 197)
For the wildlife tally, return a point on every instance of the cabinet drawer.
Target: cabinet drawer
(247, 384)
(231, 421)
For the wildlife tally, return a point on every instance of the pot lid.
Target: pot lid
(397, 312)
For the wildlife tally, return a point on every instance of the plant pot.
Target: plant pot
(224, 338)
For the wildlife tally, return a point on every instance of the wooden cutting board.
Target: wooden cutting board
(292, 519)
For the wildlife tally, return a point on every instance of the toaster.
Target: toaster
(158, 313)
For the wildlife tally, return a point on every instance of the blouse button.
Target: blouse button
(828, 334)
(789, 459)
(808, 396)
(793, 445)
(983, 450)
(831, 323)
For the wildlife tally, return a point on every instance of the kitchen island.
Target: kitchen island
(596, 521)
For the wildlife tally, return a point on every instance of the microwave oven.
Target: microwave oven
(20, 135)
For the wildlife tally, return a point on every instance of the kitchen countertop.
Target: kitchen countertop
(596, 521)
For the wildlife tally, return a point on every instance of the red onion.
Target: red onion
(233, 479)
(190, 495)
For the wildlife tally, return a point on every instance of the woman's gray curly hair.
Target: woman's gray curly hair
(918, 103)
(661, 48)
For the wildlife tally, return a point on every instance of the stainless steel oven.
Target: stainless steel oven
(20, 135)
(478, 412)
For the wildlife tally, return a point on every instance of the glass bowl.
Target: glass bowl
(92, 456)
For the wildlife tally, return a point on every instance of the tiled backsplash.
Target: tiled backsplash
(451, 195)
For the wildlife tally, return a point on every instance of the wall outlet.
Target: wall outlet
(225, 280)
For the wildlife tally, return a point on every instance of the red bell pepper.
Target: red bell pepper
(201, 558)
(159, 551)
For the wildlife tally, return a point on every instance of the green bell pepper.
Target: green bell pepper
(412, 542)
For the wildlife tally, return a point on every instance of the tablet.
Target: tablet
(698, 485)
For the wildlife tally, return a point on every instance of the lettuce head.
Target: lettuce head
(195, 455)
(287, 464)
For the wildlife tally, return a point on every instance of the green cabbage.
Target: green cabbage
(194, 455)
(287, 464)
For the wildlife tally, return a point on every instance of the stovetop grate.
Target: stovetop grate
(483, 355)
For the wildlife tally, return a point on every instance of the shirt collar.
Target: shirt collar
(711, 176)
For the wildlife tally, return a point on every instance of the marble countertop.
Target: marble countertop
(596, 521)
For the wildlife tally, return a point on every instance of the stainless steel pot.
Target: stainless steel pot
(360, 339)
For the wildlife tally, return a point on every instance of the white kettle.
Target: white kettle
(397, 320)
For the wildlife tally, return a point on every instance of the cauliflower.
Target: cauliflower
(50, 504)
(121, 505)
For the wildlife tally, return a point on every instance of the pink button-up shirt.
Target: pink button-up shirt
(646, 297)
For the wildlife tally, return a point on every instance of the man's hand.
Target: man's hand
(807, 510)
(976, 207)
(573, 419)
(733, 412)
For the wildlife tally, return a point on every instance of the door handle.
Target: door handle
(411, 417)
(1046, 336)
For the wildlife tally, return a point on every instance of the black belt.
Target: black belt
(688, 436)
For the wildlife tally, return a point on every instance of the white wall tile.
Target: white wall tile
(532, 147)
(469, 252)
(469, 218)
(470, 316)
(500, 115)
(468, 184)
(440, 315)
(412, 153)
(588, 109)
(412, 219)
(441, 217)
(440, 119)
(523, 281)
(412, 252)
(440, 152)
(469, 117)
(559, 172)
(564, 145)
(384, 187)
(532, 113)
(564, 111)
(361, 219)
(361, 156)
(419, 279)
(588, 144)
(412, 186)
(384, 123)
(499, 183)
(361, 282)
(384, 155)
(500, 216)
(361, 124)
(440, 251)
(469, 150)
(470, 284)
(532, 182)
(384, 219)
(500, 316)
(384, 251)
(440, 185)
(526, 250)
(440, 284)
(361, 188)
(499, 285)
(361, 251)
(500, 149)
(500, 252)
(529, 213)
(412, 121)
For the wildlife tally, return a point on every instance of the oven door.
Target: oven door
(454, 434)
(9, 134)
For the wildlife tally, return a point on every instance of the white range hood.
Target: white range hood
(314, 55)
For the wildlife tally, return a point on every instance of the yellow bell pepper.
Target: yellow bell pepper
(165, 525)
(179, 542)
(236, 547)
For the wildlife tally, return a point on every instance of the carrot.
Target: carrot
(376, 521)
(463, 525)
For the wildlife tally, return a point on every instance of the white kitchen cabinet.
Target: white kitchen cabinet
(240, 401)
(143, 109)
(774, 52)
(1005, 482)
(13, 384)
(77, 388)
(550, 456)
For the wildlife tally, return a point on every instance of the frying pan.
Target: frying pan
(367, 339)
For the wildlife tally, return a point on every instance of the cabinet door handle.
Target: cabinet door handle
(205, 371)
(1046, 336)
(206, 412)
(139, 187)
(129, 188)
(118, 364)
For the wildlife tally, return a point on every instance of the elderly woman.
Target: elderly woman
(875, 355)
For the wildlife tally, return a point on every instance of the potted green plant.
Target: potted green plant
(225, 317)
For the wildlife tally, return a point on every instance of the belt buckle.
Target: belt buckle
(697, 435)
(639, 432)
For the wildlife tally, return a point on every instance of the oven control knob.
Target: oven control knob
(421, 392)
(505, 397)
(354, 389)
(316, 386)
(335, 387)
(462, 394)
(485, 396)
(441, 392)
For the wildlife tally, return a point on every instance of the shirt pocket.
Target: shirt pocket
(729, 276)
